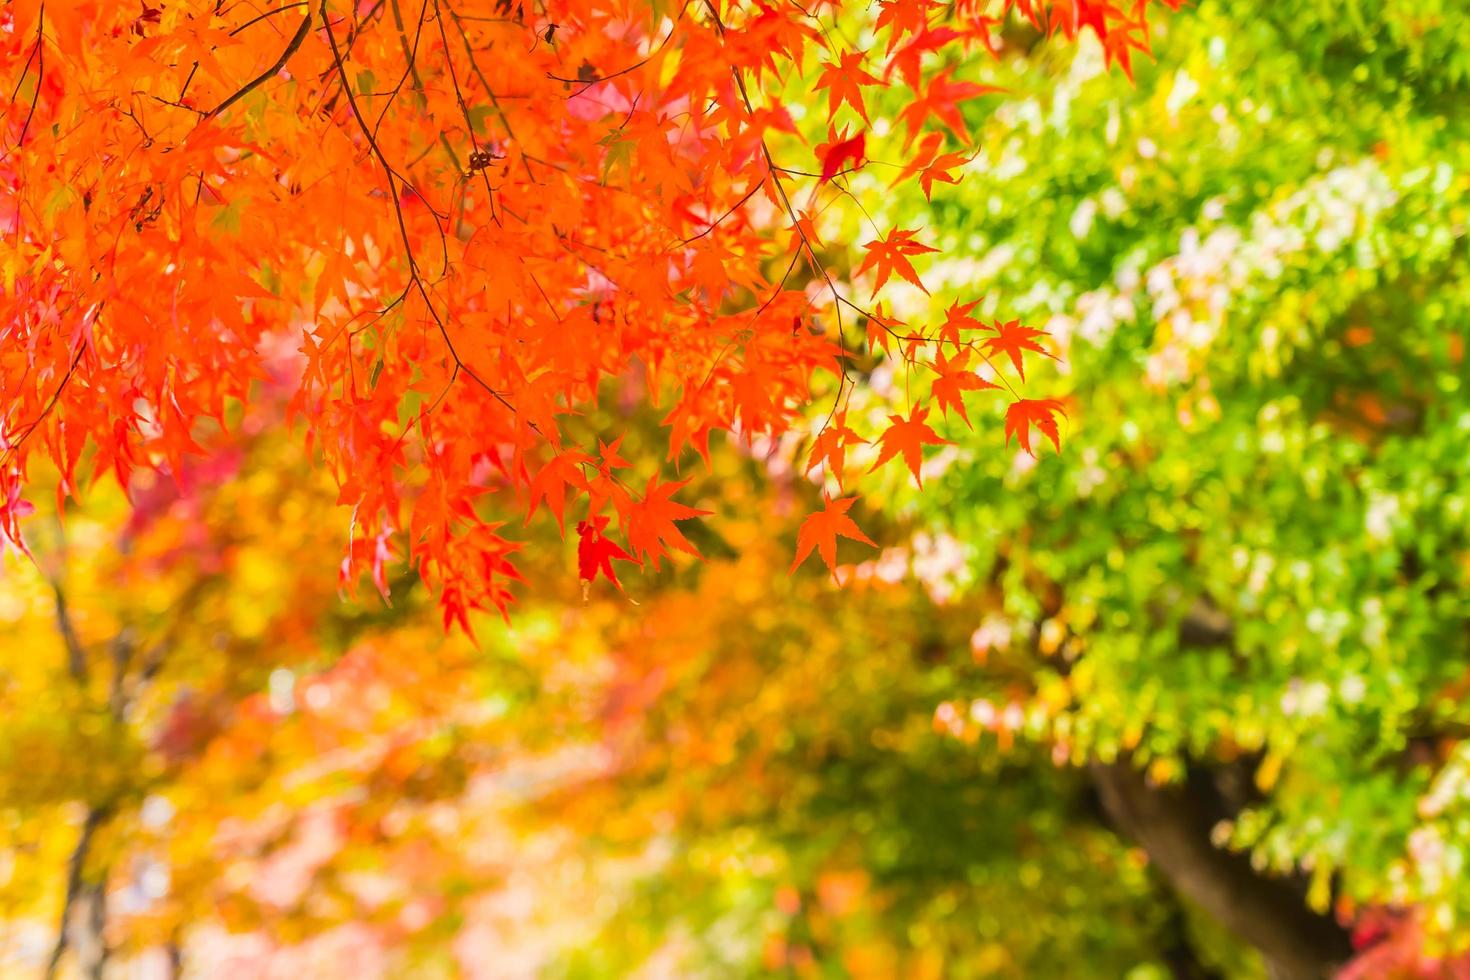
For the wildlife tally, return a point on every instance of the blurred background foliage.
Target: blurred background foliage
(1246, 569)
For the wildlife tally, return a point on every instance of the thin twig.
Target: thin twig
(270, 72)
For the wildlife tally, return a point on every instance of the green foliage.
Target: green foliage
(1255, 540)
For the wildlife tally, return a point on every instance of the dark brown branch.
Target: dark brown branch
(270, 72)
(39, 54)
(269, 13)
(45, 413)
(394, 179)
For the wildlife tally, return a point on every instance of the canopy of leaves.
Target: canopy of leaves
(1254, 545)
(452, 226)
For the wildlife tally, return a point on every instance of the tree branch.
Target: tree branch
(76, 657)
(269, 73)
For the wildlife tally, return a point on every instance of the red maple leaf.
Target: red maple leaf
(882, 328)
(890, 254)
(595, 553)
(821, 529)
(1040, 412)
(651, 522)
(904, 16)
(1012, 338)
(958, 318)
(907, 436)
(840, 152)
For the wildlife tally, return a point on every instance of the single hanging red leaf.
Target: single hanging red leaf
(841, 151)
(595, 553)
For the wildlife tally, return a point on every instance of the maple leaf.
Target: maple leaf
(843, 82)
(909, 59)
(605, 485)
(831, 446)
(595, 553)
(882, 328)
(806, 228)
(651, 522)
(907, 436)
(564, 470)
(838, 153)
(1040, 412)
(821, 530)
(941, 99)
(1011, 338)
(890, 254)
(415, 422)
(958, 318)
(931, 166)
(954, 379)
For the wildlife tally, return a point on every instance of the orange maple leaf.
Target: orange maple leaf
(564, 470)
(843, 82)
(882, 328)
(930, 165)
(1040, 412)
(958, 318)
(821, 529)
(651, 522)
(831, 446)
(941, 99)
(955, 378)
(605, 485)
(890, 254)
(1012, 338)
(907, 436)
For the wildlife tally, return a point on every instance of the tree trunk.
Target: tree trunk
(84, 910)
(1172, 824)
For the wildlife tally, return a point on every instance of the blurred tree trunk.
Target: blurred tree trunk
(84, 909)
(1172, 824)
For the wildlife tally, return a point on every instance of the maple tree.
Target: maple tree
(455, 224)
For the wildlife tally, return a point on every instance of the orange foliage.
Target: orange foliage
(446, 223)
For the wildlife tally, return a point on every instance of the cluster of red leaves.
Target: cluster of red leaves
(447, 223)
